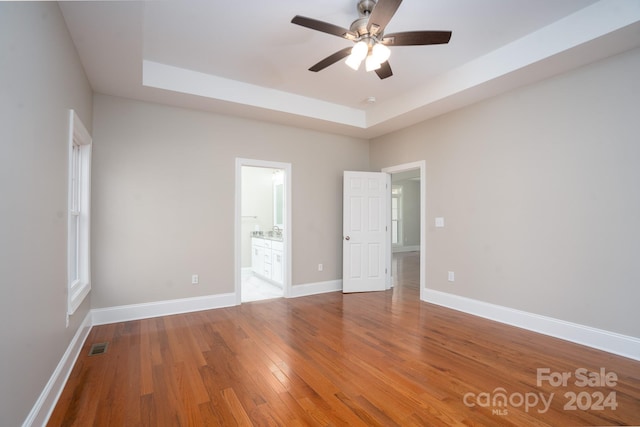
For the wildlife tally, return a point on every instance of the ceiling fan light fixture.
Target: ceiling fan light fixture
(353, 62)
(381, 52)
(358, 53)
(368, 34)
(371, 63)
(360, 50)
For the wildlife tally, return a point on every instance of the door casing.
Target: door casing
(286, 234)
(421, 165)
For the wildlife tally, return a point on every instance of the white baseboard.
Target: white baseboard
(41, 411)
(316, 288)
(125, 313)
(397, 249)
(622, 345)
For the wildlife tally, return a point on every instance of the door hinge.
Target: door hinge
(385, 271)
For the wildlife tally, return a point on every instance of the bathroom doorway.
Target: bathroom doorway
(262, 230)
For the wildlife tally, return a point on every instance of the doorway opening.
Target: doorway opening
(408, 224)
(263, 230)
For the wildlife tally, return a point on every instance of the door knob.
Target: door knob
(347, 238)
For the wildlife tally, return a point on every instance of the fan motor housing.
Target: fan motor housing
(359, 26)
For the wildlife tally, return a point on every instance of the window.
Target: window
(78, 272)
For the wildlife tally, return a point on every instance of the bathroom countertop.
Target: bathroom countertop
(267, 237)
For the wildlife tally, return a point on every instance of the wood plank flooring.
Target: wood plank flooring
(370, 359)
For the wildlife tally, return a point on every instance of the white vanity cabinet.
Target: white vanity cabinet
(277, 266)
(257, 256)
(266, 259)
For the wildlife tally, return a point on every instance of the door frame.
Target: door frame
(286, 233)
(421, 165)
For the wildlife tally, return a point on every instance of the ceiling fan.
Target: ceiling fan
(371, 43)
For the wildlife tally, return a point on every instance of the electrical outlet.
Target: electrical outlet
(195, 279)
(451, 276)
(320, 267)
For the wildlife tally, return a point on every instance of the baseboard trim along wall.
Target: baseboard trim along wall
(124, 313)
(397, 249)
(45, 404)
(610, 342)
(316, 288)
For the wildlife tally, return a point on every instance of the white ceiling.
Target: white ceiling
(246, 58)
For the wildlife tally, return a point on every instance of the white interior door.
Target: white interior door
(365, 231)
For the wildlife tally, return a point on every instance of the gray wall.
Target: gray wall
(163, 198)
(540, 193)
(40, 80)
(410, 212)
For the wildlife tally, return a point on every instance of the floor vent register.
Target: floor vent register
(99, 348)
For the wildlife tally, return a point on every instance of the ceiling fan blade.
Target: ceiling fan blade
(381, 15)
(324, 27)
(384, 71)
(416, 38)
(331, 59)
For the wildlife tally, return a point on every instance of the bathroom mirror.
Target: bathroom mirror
(278, 199)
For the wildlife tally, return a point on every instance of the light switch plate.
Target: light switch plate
(451, 276)
(439, 222)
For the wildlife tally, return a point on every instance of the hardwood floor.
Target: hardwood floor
(381, 358)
